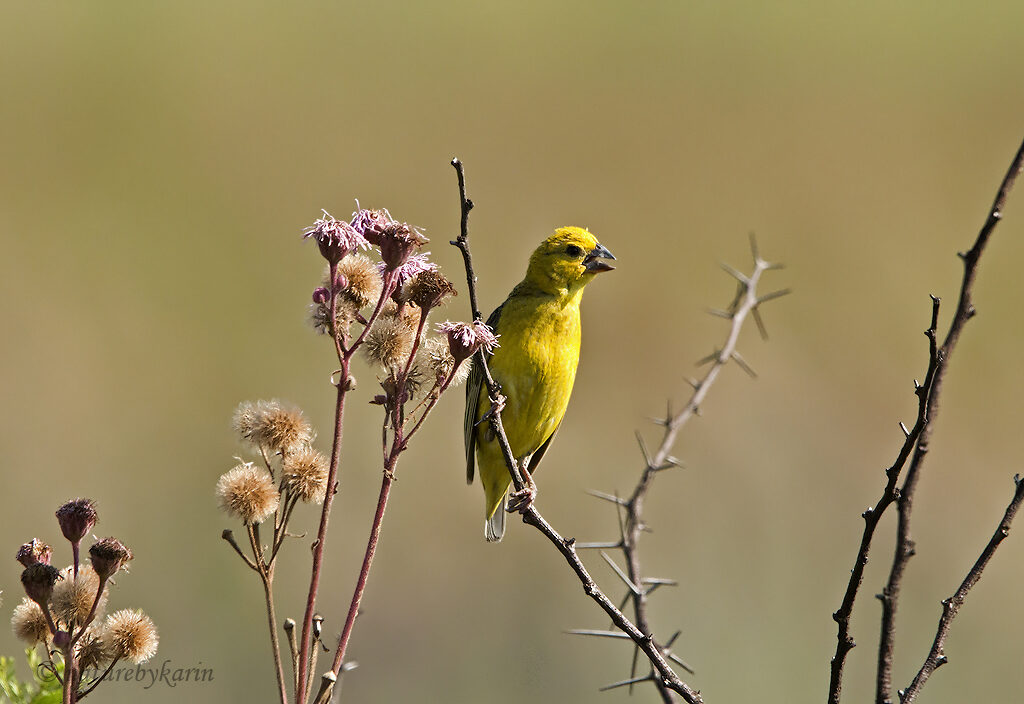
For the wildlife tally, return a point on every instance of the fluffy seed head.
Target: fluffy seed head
(305, 475)
(336, 238)
(130, 634)
(371, 223)
(29, 623)
(34, 551)
(363, 277)
(390, 341)
(345, 313)
(38, 580)
(272, 426)
(92, 651)
(72, 597)
(464, 339)
(248, 492)
(437, 358)
(76, 518)
(428, 289)
(108, 555)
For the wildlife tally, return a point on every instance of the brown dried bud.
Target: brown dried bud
(429, 289)
(397, 243)
(38, 581)
(76, 518)
(107, 556)
(34, 551)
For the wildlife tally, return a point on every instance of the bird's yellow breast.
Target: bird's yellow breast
(536, 366)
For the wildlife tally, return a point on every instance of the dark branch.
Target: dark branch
(951, 606)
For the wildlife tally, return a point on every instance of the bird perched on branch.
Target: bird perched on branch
(539, 335)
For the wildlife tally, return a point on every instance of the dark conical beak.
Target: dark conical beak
(592, 262)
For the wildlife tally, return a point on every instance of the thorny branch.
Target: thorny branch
(632, 525)
(915, 448)
(566, 546)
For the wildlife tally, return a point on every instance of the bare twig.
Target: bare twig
(936, 657)
(914, 448)
(566, 546)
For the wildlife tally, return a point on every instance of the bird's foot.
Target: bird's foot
(497, 406)
(520, 501)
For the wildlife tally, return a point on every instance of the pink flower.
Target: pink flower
(414, 265)
(336, 238)
(464, 339)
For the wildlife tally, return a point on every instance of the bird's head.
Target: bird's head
(568, 260)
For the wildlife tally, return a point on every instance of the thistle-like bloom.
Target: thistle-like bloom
(129, 633)
(34, 551)
(304, 474)
(248, 492)
(72, 597)
(29, 623)
(38, 581)
(428, 289)
(76, 518)
(336, 238)
(363, 280)
(371, 223)
(464, 339)
(107, 557)
(272, 426)
(436, 357)
(397, 243)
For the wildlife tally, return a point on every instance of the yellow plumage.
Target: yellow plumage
(539, 329)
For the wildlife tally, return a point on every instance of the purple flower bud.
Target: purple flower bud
(321, 295)
(397, 243)
(107, 556)
(38, 581)
(465, 339)
(336, 238)
(34, 551)
(76, 519)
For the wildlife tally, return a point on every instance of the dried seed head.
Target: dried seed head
(371, 223)
(72, 597)
(336, 238)
(107, 556)
(248, 492)
(304, 474)
(390, 341)
(29, 623)
(345, 312)
(34, 551)
(76, 518)
(437, 358)
(92, 651)
(130, 634)
(397, 243)
(272, 426)
(428, 289)
(38, 581)
(364, 282)
(464, 339)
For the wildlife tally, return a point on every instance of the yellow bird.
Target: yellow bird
(539, 335)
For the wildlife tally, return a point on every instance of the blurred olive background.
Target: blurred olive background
(160, 161)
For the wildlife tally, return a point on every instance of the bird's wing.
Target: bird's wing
(473, 387)
(537, 456)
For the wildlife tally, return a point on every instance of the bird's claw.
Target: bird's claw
(521, 501)
(497, 406)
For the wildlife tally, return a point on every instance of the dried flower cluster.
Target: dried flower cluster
(62, 609)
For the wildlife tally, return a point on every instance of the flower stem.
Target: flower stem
(321, 536)
(268, 591)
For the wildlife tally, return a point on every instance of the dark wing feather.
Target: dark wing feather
(537, 456)
(473, 387)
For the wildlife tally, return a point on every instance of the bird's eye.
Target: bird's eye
(573, 251)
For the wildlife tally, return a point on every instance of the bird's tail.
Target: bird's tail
(494, 526)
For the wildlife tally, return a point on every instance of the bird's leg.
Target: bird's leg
(497, 406)
(521, 501)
